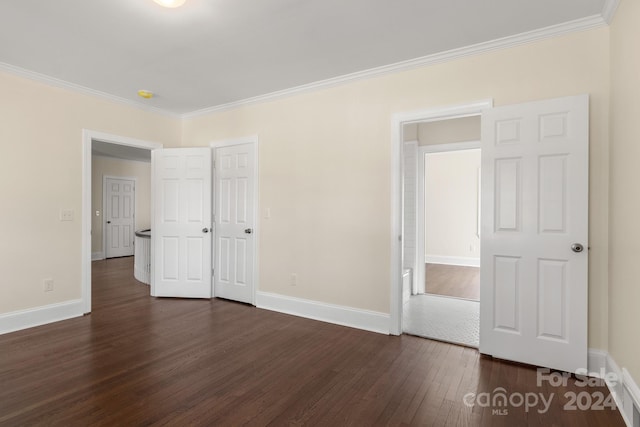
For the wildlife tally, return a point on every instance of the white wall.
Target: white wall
(463, 129)
(451, 207)
(107, 166)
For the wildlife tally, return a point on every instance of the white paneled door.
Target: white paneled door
(181, 230)
(235, 222)
(119, 216)
(534, 233)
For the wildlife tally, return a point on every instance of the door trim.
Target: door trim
(104, 204)
(413, 145)
(398, 120)
(88, 136)
(255, 142)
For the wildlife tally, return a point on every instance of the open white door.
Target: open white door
(534, 257)
(181, 229)
(235, 170)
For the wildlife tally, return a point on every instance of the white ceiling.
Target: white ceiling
(214, 52)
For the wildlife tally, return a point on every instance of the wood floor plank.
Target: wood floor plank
(138, 360)
(453, 281)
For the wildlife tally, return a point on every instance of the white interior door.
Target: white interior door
(235, 170)
(119, 216)
(181, 230)
(535, 179)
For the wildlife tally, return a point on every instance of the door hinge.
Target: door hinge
(212, 272)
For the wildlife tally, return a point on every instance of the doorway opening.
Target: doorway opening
(123, 161)
(441, 209)
(418, 137)
(534, 222)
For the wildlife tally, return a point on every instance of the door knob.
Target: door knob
(248, 230)
(205, 230)
(577, 247)
(108, 222)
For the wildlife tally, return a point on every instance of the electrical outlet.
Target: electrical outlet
(66, 215)
(48, 285)
(294, 279)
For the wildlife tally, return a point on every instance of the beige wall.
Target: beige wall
(325, 164)
(451, 204)
(410, 132)
(624, 208)
(41, 166)
(464, 129)
(107, 166)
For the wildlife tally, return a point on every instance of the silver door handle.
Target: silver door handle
(248, 230)
(577, 247)
(205, 230)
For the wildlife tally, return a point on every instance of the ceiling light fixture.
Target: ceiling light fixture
(146, 94)
(170, 3)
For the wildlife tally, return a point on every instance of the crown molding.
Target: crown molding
(609, 10)
(52, 81)
(582, 24)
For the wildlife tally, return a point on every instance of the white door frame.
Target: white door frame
(254, 141)
(415, 263)
(104, 204)
(397, 123)
(88, 136)
(420, 205)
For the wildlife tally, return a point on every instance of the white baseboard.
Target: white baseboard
(95, 256)
(597, 362)
(616, 387)
(452, 260)
(622, 386)
(341, 315)
(631, 402)
(23, 319)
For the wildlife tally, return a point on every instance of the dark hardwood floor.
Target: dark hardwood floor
(453, 281)
(138, 360)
